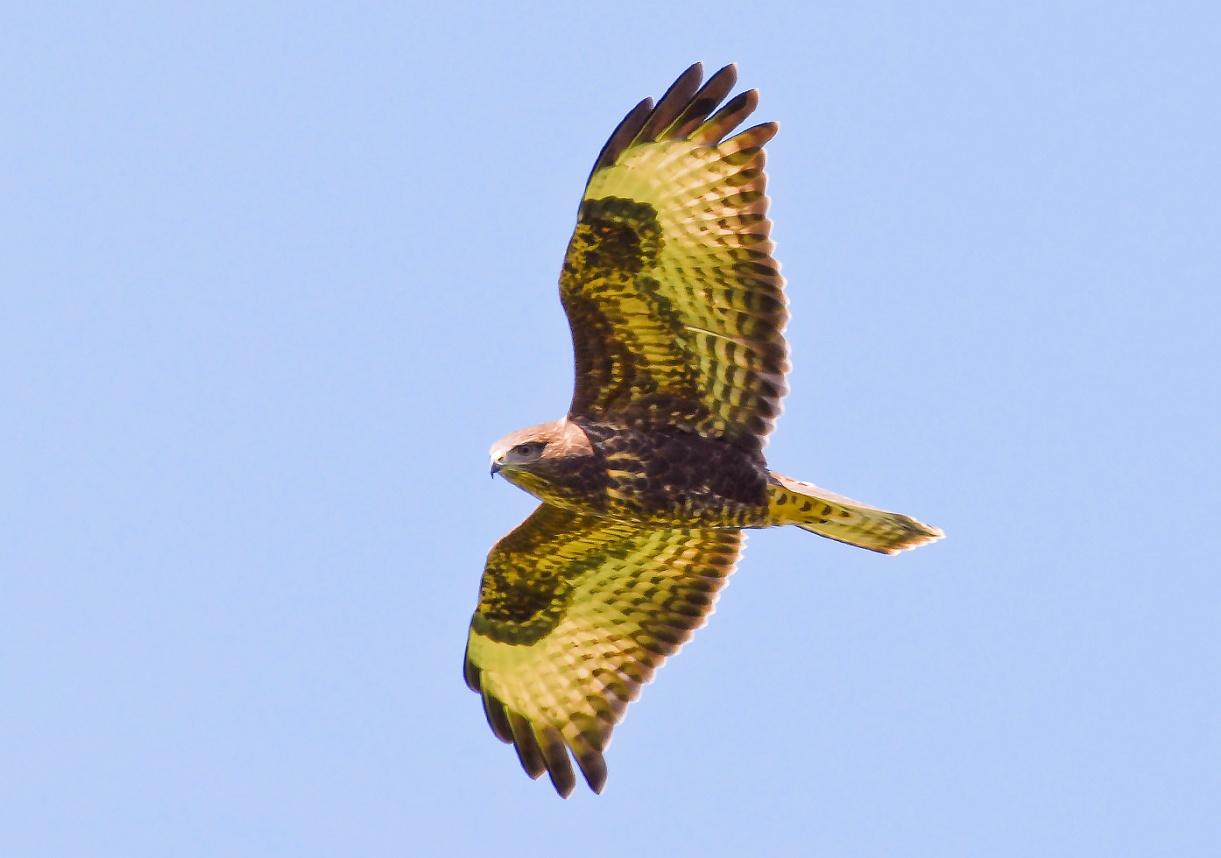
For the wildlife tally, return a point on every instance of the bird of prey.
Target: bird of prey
(677, 311)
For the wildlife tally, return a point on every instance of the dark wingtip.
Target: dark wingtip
(528, 752)
(682, 108)
(593, 768)
(672, 103)
(470, 673)
(498, 720)
(623, 135)
(559, 767)
(702, 103)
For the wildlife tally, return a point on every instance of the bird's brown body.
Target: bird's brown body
(677, 311)
(648, 476)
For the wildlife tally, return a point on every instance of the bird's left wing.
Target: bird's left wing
(575, 613)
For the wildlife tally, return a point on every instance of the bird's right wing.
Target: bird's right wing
(575, 613)
(675, 302)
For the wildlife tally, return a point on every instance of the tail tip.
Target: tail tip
(917, 534)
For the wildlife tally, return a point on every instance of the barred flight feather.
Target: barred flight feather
(674, 212)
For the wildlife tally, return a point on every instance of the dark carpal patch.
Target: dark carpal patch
(519, 603)
(618, 313)
(614, 233)
(528, 579)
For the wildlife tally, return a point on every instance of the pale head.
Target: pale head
(543, 441)
(535, 448)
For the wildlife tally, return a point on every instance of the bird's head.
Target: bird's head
(535, 456)
(524, 448)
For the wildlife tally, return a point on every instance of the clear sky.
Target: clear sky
(272, 280)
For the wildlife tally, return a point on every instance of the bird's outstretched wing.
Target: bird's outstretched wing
(575, 613)
(674, 299)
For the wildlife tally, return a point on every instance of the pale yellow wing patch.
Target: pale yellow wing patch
(594, 608)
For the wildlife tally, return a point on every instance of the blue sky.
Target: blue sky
(273, 279)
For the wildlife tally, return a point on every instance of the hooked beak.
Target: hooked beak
(496, 467)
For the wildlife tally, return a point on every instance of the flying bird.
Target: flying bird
(677, 309)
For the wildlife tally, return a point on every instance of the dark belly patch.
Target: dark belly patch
(671, 475)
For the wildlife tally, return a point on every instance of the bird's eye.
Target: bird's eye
(526, 449)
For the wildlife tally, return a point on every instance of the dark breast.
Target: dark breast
(668, 475)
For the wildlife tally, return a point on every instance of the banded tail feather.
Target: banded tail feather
(843, 519)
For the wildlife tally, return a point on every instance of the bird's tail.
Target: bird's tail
(836, 517)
